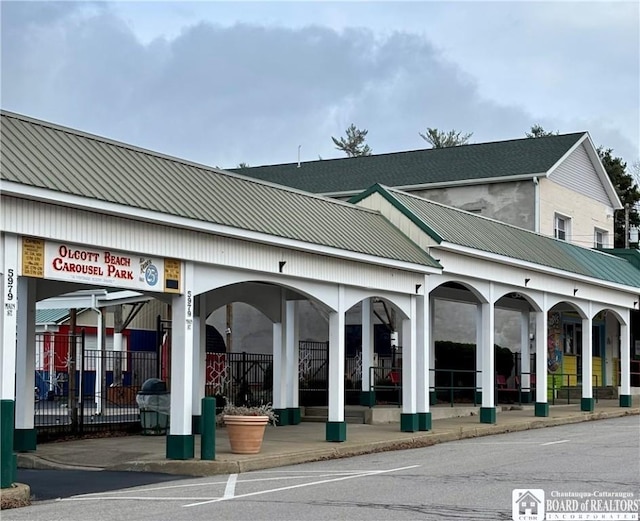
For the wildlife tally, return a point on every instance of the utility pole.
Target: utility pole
(626, 226)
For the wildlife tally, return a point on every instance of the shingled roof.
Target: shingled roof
(445, 224)
(43, 155)
(516, 158)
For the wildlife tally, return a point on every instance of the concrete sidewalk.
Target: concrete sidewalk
(301, 443)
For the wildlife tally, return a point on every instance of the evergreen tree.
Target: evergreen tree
(538, 131)
(441, 139)
(627, 190)
(353, 144)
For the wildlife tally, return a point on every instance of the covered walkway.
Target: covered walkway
(81, 212)
(289, 445)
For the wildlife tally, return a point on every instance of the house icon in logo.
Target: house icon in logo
(528, 505)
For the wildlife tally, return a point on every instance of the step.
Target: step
(321, 414)
(603, 393)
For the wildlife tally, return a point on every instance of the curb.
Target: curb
(19, 495)
(33, 462)
(199, 468)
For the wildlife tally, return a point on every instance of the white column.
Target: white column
(587, 357)
(488, 355)
(10, 317)
(336, 361)
(291, 342)
(409, 372)
(100, 348)
(201, 374)
(367, 343)
(182, 340)
(26, 353)
(199, 355)
(542, 355)
(525, 353)
(280, 358)
(479, 345)
(431, 341)
(423, 352)
(625, 358)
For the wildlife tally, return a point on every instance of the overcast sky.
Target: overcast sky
(224, 83)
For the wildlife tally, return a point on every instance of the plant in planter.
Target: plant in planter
(246, 426)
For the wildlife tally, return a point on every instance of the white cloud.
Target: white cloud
(189, 80)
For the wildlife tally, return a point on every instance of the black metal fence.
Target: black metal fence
(313, 371)
(80, 390)
(240, 378)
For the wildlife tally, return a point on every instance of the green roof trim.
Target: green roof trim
(481, 233)
(43, 155)
(517, 159)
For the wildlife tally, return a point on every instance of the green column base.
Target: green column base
(478, 397)
(8, 463)
(424, 421)
(408, 422)
(626, 400)
(433, 398)
(25, 440)
(208, 428)
(283, 416)
(587, 404)
(367, 398)
(180, 446)
(295, 417)
(196, 424)
(542, 409)
(336, 431)
(487, 415)
(526, 397)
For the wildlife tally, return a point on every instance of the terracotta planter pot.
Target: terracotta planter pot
(246, 433)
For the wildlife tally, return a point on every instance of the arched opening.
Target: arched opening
(95, 345)
(566, 354)
(455, 359)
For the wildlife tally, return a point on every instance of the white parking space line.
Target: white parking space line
(506, 443)
(553, 442)
(230, 489)
(228, 493)
(342, 478)
(134, 498)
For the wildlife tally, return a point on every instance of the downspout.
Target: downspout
(536, 204)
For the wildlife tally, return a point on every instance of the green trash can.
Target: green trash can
(154, 402)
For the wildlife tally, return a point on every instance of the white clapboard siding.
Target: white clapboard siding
(578, 174)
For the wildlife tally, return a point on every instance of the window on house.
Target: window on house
(599, 238)
(561, 227)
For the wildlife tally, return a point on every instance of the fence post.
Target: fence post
(81, 385)
(451, 388)
(208, 429)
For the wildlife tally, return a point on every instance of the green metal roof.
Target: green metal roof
(51, 316)
(44, 155)
(447, 224)
(631, 255)
(500, 159)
